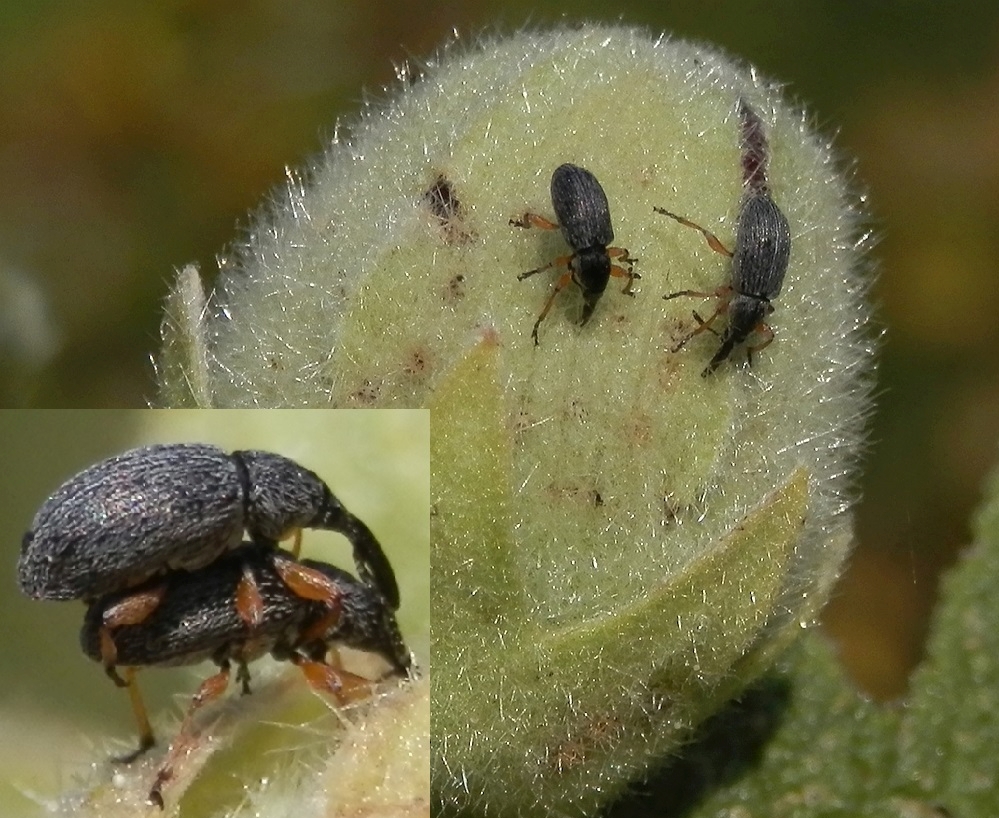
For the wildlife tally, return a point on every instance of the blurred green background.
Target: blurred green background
(135, 137)
(57, 708)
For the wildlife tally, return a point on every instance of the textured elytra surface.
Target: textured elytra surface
(581, 207)
(177, 506)
(582, 485)
(127, 517)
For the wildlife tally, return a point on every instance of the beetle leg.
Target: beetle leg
(767, 331)
(343, 686)
(724, 293)
(295, 535)
(135, 608)
(620, 272)
(534, 220)
(711, 238)
(249, 603)
(109, 656)
(146, 737)
(318, 629)
(622, 254)
(706, 325)
(309, 583)
(702, 325)
(211, 689)
(559, 285)
(243, 676)
(561, 261)
(132, 610)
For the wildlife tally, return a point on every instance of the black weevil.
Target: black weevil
(583, 215)
(762, 252)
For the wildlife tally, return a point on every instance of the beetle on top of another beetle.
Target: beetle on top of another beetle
(152, 541)
(179, 505)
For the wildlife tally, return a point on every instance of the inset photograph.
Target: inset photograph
(220, 610)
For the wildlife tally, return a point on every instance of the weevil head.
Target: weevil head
(745, 313)
(280, 495)
(591, 271)
(366, 622)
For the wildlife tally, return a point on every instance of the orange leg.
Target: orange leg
(211, 689)
(559, 286)
(132, 610)
(622, 254)
(343, 686)
(561, 261)
(534, 220)
(302, 581)
(767, 331)
(702, 325)
(146, 737)
(723, 294)
(711, 238)
(620, 272)
(249, 603)
(318, 629)
(706, 325)
(309, 583)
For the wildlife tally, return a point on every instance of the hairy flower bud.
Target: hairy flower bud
(620, 544)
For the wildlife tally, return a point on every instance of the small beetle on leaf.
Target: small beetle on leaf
(762, 251)
(197, 617)
(180, 505)
(583, 215)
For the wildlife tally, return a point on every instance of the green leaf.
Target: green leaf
(950, 734)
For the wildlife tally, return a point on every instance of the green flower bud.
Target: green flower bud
(620, 544)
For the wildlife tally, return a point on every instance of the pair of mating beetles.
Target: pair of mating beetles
(759, 262)
(153, 541)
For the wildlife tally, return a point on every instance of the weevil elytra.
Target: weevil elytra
(197, 618)
(762, 252)
(583, 215)
(179, 505)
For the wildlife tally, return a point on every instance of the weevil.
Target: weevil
(762, 252)
(583, 215)
(179, 505)
(197, 618)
